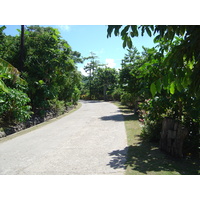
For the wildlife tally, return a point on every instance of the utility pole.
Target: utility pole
(22, 49)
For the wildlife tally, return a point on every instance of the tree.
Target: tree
(22, 49)
(91, 67)
(13, 100)
(105, 81)
(172, 77)
(52, 78)
(183, 55)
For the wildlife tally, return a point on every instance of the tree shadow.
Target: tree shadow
(145, 158)
(118, 159)
(91, 101)
(117, 117)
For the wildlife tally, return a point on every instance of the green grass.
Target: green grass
(145, 158)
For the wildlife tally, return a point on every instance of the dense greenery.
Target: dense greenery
(101, 81)
(157, 83)
(49, 79)
(163, 81)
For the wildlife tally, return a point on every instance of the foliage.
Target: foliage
(14, 107)
(14, 102)
(166, 79)
(90, 67)
(7, 71)
(58, 107)
(105, 81)
(182, 56)
(127, 99)
(50, 76)
(101, 81)
(116, 94)
(76, 96)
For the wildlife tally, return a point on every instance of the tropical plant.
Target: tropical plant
(171, 75)
(13, 101)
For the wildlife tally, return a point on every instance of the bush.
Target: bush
(57, 106)
(76, 96)
(14, 107)
(151, 131)
(116, 95)
(127, 99)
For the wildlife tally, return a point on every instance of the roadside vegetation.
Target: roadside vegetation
(38, 76)
(160, 85)
(145, 158)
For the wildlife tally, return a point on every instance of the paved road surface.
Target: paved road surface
(87, 141)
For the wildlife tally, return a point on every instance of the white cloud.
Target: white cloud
(83, 72)
(110, 62)
(81, 69)
(64, 27)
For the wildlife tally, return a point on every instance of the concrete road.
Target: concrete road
(86, 141)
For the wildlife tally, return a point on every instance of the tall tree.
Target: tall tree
(90, 67)
(22, 49)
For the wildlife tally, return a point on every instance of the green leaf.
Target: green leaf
(148, 31)
(172, 88)
(178, 85)
(124, 31)
(2, 101)
(55, 37)
(3, 86)
(191, 65)
(158, 85)
(56, 31)
(135, 31)
(41, 82)
(165, 82)
(129, 43)
(124, 44)
(153, 89)
(66, 45)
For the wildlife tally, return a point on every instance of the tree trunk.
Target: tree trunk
(22, 49)
(104, 92)
(172, 137)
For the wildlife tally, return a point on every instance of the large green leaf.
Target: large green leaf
(153, 89)
(3, 86)
(178, 85)
(129, 42)
(158, 84)
(172, 87)
(7, 68)
(148, 31)
(135, 31)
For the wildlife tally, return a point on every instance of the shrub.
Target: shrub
(117, 94)
(127, 99)
(76, 96)
(151, 130)
(14, 107)
(57, 106)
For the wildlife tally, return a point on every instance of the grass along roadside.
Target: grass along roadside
(32, 128)
(145, 158)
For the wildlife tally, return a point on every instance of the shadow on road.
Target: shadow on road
(118, 159)
(146, 159)
(91, 101)
(120, 117)
(117, 117)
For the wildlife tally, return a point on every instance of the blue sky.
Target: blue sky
(93, 38)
